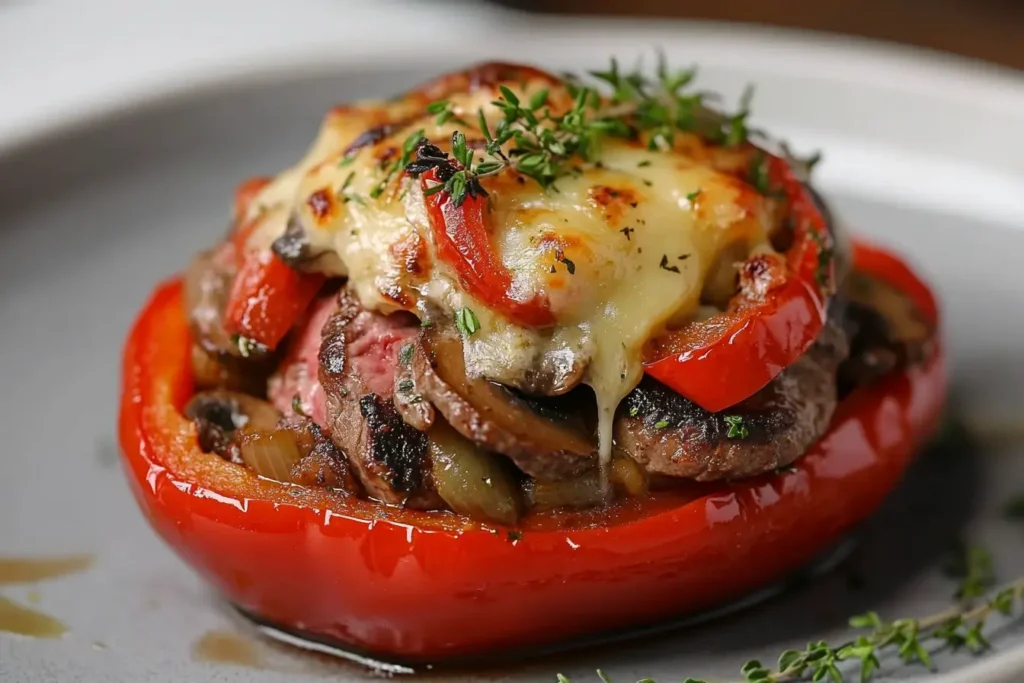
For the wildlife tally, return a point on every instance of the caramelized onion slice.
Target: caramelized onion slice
(220, 414)
(579, 492)
(472, 481)
(627, 473)
(545, 447)
(270, 454)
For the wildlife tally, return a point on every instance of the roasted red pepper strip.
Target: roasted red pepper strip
(463, 241)
(405, 584)
(268, 297)
(720, 361)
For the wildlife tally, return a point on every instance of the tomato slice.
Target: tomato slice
(404, 584)
(718, 362)
(463, 241)
(268, 297)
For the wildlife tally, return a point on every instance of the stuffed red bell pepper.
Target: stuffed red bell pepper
(515, 359)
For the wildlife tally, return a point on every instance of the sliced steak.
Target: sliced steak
(357, 359)
(296, 384)
(546, 445)
(670, 435)
(217, 360)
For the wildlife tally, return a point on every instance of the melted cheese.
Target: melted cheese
(642, 229)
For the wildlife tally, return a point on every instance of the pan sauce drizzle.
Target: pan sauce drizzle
(25, 621)
(225, 647)
(30, 570)
(15, 618)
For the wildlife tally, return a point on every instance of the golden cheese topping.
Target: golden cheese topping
(621, 248)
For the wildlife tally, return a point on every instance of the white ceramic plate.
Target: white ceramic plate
(116, 164)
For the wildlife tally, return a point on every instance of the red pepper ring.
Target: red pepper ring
(463, 241)
(718, 362)
(403, 584)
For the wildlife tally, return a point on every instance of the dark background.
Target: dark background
(992, 30)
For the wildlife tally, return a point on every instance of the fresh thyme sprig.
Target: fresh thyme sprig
(912, 640)
(545, 146)
(972, 565)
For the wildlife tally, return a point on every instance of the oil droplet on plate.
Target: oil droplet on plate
(224, 647)
(15, 618)
(30, 570)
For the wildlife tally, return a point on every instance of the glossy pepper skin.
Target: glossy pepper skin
(421, 586)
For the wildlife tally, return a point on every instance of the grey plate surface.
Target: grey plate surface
(93, 215)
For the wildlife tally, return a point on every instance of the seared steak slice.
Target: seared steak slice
(670, 435)
(544, 446)
(357, 360)
(217, 359)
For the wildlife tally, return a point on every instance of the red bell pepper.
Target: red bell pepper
(463, 241)
(422, 586)
(268, 297)
(720, 361)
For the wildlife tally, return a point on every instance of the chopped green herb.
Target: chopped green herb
(661, 424)
(644, 164)
(757, 174)
(627, 231)
(405, 354)
(297, 406)
(633, 411)
(409, 146)
(569, 265)
(692, 197)
(737, 430)
(466, 321)
(514, 535)
(248, 347)
(825, 255)
(405, 386)
(972, 565)
(445, 112)
(665, 266)
(426, 323)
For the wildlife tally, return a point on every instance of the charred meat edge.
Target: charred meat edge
(219, 416)
(388, 456)
(672, 436)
